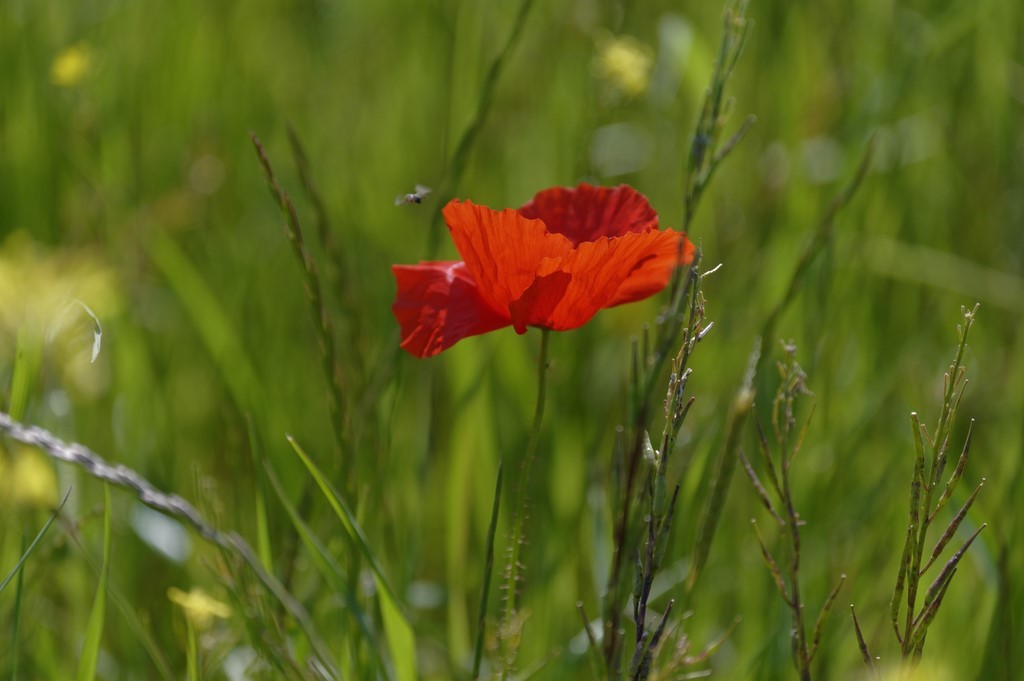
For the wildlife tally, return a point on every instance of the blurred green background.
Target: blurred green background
(128, 181)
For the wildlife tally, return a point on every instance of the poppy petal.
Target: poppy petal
(587, 213)
(502, 249)
(653, 274)
(438, 304)
(598, 270)
(540, 300)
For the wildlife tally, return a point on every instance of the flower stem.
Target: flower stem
(510, 627)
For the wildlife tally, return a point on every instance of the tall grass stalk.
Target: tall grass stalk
(510, 631)
(175, 506)
(703, 157)
(336, 381)
(90, 653)
(705, 153)
(823, 234)
(659, 505)
(931, 457)
(485, 589)
(725, 465)
(19, 592)
(456, 166)
(783, 511)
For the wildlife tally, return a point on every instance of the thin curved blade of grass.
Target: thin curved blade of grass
(175, 506)
(458, 161)
(19, 590)
(723, 470)
(131, 618)
(35, 542)
(324, 562)
(821, 236)
(488, 568)
(145, 637)
(192, 654)
(94, 630)
(27, 359)
(593, 647)
(337, 392)
(345, 515)
(819, 625)
(399, 634)
(210, 320)
(263, 548)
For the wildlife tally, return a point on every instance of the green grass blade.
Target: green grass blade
(725, 465)
(35, 542)
(347, 518)
(131, 617)
(399, 634)
(397, 630)
(263, 548)
(210, 319)
(94, 630)
(141, 631)
(325, 563)
(16, 618)
(192, 655)
(488, 567)
(27, 359)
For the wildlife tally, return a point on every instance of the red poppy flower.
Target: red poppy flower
(551, 264)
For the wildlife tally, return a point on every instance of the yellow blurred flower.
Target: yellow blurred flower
(71, 65)
(623, 63)
(200, 608)
(27, 479)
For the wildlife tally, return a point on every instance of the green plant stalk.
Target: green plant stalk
(593, 647)
(714, 503)
(336, 261)
(19, 585)
(210, 320)
(192, 652)
(28, 357)
(325, 563)
(928, 470)
(783, 421)
(955, 376)
(793, 526)
(512, 576)
(921, 503)
(263, 546)
(345, 463)
(644, 375)
(35, 542)
(336, 388)
(822, 236)
(336, 270)
(726, 465)
(125, 609)
(492, 528)
(171, 504)
(19, 589)
(456, 167)
(94, 631)
(661, 510)
(348, 519)
(702, 159)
